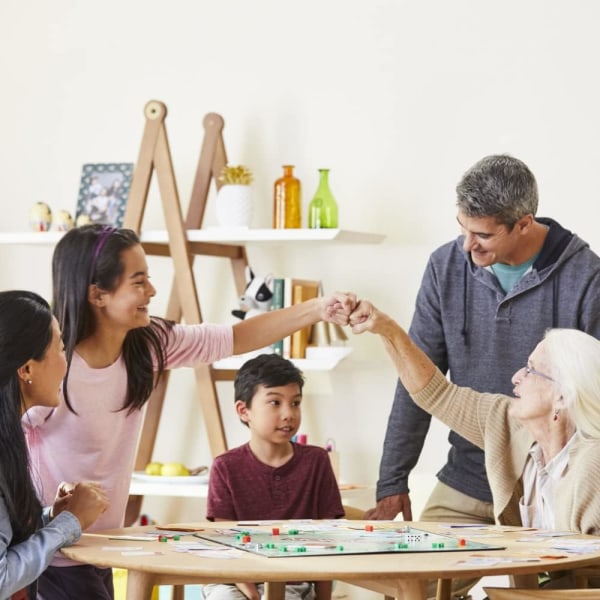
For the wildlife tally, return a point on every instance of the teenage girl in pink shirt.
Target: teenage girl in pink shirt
(115, 351)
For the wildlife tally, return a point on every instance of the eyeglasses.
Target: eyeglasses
(531, 371)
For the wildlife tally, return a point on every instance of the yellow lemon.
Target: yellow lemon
(174, 469)
(153, 468)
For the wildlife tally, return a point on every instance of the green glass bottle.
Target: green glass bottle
(323, 209)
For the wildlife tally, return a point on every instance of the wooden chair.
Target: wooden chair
(540, 594)
(353, 513)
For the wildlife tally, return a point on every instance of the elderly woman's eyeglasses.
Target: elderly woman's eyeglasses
(531, 371)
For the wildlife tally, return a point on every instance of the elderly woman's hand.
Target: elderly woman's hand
(366, 317)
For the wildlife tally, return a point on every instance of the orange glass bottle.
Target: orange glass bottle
(287, 201)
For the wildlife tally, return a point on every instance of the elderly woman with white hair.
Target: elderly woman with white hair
(542, 446)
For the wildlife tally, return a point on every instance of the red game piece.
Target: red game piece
(275, 531)
(368, 527)
(246, 539)
(462, 542)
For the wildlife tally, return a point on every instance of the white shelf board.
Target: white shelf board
(221, 235)
(217, 235)
(200, 490)
(31, 237)
(187, 490)
(323, 364)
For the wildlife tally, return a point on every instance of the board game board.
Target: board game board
(283, 539)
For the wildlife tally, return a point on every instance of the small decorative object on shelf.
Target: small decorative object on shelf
(83, 220)
(63, 221)
(103, 192)
(234, 199)
(287, 202)
(326, 340)
(40, 217)
(257, 296)
(323, 209)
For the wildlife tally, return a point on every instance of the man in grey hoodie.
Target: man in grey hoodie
(485, 301)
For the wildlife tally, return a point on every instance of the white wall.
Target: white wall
(398, 98)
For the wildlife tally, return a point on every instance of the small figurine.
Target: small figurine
(83, 219)
(40, 217)
(63, 221)
(257, 296)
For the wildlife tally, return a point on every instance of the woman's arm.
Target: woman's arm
(462, 409)
(414, 367)
(262, 330)
(23, 563)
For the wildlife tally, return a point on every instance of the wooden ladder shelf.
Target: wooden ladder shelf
(155, 155)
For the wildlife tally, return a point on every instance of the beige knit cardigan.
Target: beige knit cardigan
(483, 420)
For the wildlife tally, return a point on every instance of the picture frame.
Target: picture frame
(103, 192)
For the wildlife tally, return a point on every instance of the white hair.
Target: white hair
(574, 363)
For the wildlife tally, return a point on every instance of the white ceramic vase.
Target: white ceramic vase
(234, 206)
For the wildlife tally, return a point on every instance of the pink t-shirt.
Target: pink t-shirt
(100, 441)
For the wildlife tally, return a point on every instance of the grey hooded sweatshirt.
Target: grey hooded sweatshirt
(470, 327)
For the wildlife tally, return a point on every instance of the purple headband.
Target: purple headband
(107, 230)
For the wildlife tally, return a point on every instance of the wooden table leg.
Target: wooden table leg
(529, 581)
(139, 585)
(444, 589)
(274, 590)
(178, 592)
(412, 589)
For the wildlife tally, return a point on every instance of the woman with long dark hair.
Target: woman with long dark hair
(32, 366)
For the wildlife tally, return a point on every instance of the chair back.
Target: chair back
(541, 594)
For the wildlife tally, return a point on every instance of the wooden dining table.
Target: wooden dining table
(400, 575)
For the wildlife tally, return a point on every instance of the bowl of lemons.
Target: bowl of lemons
(174, 472)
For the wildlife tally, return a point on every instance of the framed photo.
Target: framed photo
(103, 192)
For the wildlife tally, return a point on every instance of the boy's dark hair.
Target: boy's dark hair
(270, 370)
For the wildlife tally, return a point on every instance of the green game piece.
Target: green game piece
(176, 537)
(283, 548)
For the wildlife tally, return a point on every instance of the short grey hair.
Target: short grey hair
(499, 186)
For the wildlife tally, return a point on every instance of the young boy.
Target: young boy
(271, 477)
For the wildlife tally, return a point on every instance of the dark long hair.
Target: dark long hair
(25, 334)
(92, 254)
